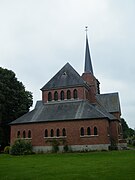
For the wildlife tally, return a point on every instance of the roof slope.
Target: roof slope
(66, 77)
(109, 101)
(88, 64)
(64, 110)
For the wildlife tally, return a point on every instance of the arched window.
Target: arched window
(68, 94)
(62, 95)
(46, 133)
(24, 134)
(75, 94)
(18, 134)
(55, 95)
(95, 131)
(52, 133)
(63, 132)
(88, 131)
(82, 131)
(57, 132)
(49, 96)
(29, 134)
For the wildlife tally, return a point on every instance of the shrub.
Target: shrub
(65, 147)
(55, 146)
(21, 147)
(7, 149)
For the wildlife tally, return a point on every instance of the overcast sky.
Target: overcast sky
(38, 37)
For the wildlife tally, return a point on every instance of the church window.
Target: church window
(95, 131)
(46, 133)
(55, 95)
(49, 96)
(52, 133)
(18, 134)
(57, 132)
(29, 134)
(24, 134)
(62, 95)
(63, 132)
(68, 94)
(82, 131)
(75, 94)
(88, 131)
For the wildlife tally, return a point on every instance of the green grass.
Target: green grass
(113, 165)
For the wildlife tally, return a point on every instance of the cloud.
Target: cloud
(38, 37)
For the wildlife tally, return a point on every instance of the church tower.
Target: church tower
(88, 74)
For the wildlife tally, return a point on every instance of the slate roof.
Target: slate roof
(66, 77)
(109, 101)
(88, 64)
(63, 111)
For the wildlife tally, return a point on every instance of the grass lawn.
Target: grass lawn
(115, 165)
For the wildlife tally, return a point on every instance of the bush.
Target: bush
(21, 147)
(66, 149)
(7, 149)
(55, 146)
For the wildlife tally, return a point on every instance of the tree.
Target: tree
(14, 102)
(127, 132)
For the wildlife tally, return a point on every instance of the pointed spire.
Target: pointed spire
(88, 64)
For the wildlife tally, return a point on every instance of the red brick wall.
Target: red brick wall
(91, 80)
(72, 132)
(114, 130)
(80, 90)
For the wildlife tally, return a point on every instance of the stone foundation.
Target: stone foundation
(72, 148)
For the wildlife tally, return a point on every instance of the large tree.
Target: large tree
(127, 132)
(14, 102)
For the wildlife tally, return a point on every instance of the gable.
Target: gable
(66, 77)
(109, 101)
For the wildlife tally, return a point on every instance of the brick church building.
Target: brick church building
(72, 113)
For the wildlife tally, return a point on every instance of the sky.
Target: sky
(38, 37)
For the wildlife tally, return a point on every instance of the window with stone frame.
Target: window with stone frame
(62, 95)
(88, 131)
(63, 132)
(68, 94)
(24, 134)
(49, 96)
(52, 133)
(95, 131)
(75, 94)
(46, 133)
(57, 132)
(55, 95)
(82, 131)
(29, 134)
(18, 134)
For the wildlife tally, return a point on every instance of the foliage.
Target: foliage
(7, 149)
(65, 147)
(131, 141)
(113, 145)
(127, 132)
(95, 165)
(55, 145)
(14, 101)
(21, 147)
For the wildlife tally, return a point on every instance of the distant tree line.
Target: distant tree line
(14, 102)
(127, 132)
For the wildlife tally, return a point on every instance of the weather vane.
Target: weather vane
(86, 28)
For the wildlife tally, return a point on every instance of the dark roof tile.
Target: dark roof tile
(62, 111)
(66, 77)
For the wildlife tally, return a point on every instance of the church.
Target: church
(72, 114)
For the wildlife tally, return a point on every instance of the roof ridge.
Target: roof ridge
(67, 76)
